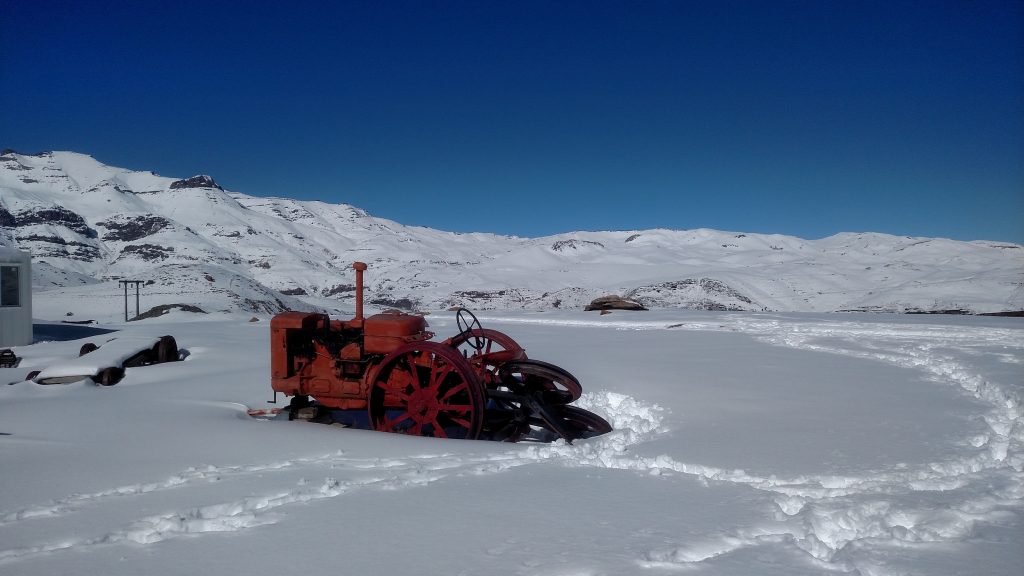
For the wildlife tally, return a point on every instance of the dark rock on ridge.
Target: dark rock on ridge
(562, 245)
(201, 181)
(400, 303)
(147, 251)
(57, 247)
(613, 302)
(128, 228)
(54, 216)
(694, 294)
(338, 289)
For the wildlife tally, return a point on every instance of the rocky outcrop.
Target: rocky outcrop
(613, 302)
(10, 162)
(349, 289)
(399, 303)
(49, 246)
(563, 245)
(149, 252)
(694, 294)
(484, 299)
(201, 181)
(51, 215)
(128, 228)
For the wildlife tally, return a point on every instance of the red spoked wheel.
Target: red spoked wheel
(486, 351)
(530, 376)
(426, 389)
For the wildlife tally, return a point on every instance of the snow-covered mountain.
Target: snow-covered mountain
(89, 225)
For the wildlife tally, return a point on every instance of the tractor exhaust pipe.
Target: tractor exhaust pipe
(359, 267)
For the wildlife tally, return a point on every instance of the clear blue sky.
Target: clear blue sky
(531, 118)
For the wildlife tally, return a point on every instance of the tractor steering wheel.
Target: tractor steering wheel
(467, 326)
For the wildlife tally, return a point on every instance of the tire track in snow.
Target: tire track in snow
(829, 516)
(204, 474)
(634, 423)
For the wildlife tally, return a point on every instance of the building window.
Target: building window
(10, 287)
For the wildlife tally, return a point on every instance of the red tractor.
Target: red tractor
(478, 384)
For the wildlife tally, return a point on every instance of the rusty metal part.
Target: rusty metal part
(427, 389)
(556, 385)
(575, 424)
(529, 402)
(476, 384)
(487, 350)
(466, 326)
(359, 267)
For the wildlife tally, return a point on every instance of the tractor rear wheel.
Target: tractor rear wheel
(426, 389)
(556, 384)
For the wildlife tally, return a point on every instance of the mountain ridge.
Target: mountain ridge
(88, 225)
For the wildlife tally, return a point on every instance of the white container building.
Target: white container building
(15, 297)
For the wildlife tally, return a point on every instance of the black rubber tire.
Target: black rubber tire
(581, 423)
(577, 424)
(298, 402)
(109, 376)
(166, 350)
(559, 386)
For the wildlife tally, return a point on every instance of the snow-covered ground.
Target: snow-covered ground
(744, 443)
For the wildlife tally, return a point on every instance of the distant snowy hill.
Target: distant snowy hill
(89, 225)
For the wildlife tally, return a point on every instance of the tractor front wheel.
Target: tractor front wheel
(486, 351)
(426, 389)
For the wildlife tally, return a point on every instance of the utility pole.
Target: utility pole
(125, 283)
